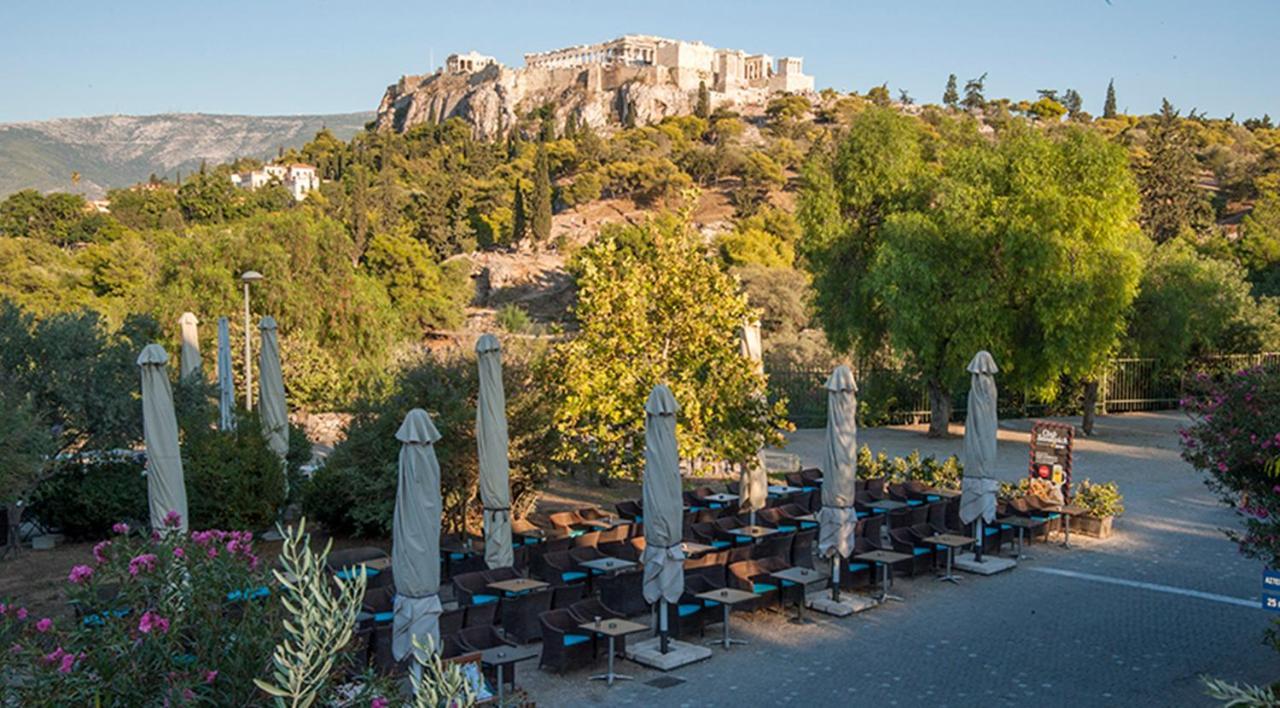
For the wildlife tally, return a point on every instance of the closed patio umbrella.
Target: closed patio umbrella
(190, 359)
(166, 491)
(837, 519)
(978, 491)
(491, 441)
(415, 540)
(663, 505)
(226, 382)
(753, 485)
(272, 409)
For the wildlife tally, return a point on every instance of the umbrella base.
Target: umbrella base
(990, 564)
(848, 604)
(649, 653)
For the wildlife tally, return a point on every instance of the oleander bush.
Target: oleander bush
(86, 494)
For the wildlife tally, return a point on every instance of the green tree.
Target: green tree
(540, 217)
(426, 294)
(25, 442)
(951, 96)
(1259, 245)
(1047, 109)
(1109, 106)
(879, 95)
(51, 218)
(653, 308)
(1073, 102)
(702, 108)
(973, 98)
(519, 220)
(1172, 202)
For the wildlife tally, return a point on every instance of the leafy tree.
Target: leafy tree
(51, 218)
(427, 294)
(653, 308)
(766, 238)
(1046, 109)
(519, 220)
(780, 294)
(1109, 106)
(1171, 200)
(879, 95)
(1259, 245)
(1073, 102)
(973, 98)
(25, 441)
(760, 174)
(702, 108)
(951, 96)
(905, 98)
(153, 207)
(210, 198)
(540, 216)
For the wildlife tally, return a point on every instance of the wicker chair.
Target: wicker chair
(624, 592)
(565, 595)
(481, 615)
(473, 588)
(802, 548)
(630, 510)
(565, 645)
(520, 615)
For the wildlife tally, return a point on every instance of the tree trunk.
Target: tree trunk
(939, 409)
(13, 520)
(1089, 404)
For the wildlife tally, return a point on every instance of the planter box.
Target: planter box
(1092, 526)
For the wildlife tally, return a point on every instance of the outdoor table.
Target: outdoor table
(542, 534)
(606, 523)
(884, 559)
(887, 505)
(755, 532)
(947, 493)
(517, 586)
(501, 657)
(804, 577)
(810, 518)
(951, 542)
(780, 489)
(1067, 512)
(612, 629)
(1022, 523)
(607, 565)
(695, 549)
(727, 597)
(721, 498)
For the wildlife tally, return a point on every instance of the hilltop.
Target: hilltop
(119, 150)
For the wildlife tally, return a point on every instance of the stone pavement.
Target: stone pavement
(1134, 620)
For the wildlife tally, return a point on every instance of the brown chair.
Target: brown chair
(802, 548)
(559, 568)
(520, 615)
(473, 588)
(624, 592)
(905, 542)
(630, 510)
(776, 546)
(565, 645)
(480, 615)
(565, 595)
(753, 576)
(567, 520)
(478, 639)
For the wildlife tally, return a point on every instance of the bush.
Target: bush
(512, 318)
(1099, 500)
(87, 494)
(913, 467)
(233, 478)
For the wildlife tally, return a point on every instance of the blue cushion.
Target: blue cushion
(596, 571)
(787, 583)
(350, 573)
(855, 567)
(932, 497)
(988, 531)
(572, 639)
(919, 551)
(482, 599)
(639, 519)
(715, 505)
(254, 594)
(697, 508)
(686, 610)
(763, 587)
(914, 502)
(786, 529)
(721, 544)
(571, 575)
(1005, 527)
(574, 533)
(744, 539)
(1054, 515)
(808, 525)
(384, 616)
(529, 541)
(711, 603)
(808, 489)
(862, 514)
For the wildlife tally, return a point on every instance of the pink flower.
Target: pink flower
(210, 676)
(54, 656)
(100, 551)
(68, 663)
(188, 694)
(379, 702)
(253, 562)
(144, 563)
(212, 552)
(3, 609)
(79, 574)
(120, 527)
(152, 621)
(22, 613)
(16, 648)
(44, 625)
(179, 553)
(173, 519)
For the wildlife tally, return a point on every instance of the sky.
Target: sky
(270, 57)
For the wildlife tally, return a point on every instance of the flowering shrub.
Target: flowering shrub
(158, 619)
(943, 475)
(1098, 499)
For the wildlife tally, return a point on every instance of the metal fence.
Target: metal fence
(892, 396)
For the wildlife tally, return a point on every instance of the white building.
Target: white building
(467, 63)
(298, 178)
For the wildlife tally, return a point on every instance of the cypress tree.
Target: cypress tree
(1171, 199)
(951, 96)
(1109, 107)
(703, 108)
(519, 221)
(540, 220)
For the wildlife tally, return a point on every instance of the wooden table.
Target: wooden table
(607, 565)
(1022, 523)
(755, 532)
(951, 542)
(501, 657)
(517, 586)
(695, 549)
(884, 559)
(721, 498)
(727, 597)
(612, 629)
(804, 577)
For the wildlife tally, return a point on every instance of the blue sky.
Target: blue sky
(73, 58)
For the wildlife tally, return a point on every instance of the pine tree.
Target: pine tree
(1109, 107)
(951, 96)
(519, 221)
(1073, 102)
(1171, 199)
(540, 218)
(973, 98)
(703, 108)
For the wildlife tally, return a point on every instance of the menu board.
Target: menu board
(1051, 454)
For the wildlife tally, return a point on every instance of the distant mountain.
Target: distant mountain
(117, 151)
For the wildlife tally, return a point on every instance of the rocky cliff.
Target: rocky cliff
(492, 100)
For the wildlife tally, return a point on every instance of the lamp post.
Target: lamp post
(248, 277)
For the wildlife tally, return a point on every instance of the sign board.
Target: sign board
(1271, 590)
(1051, 445)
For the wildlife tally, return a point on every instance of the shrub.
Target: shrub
(512, 318)
(1099, 500)
(87, 494)
(913, 467)
(233, 479)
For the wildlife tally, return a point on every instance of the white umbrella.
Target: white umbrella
(226, 382)
(837, 518)
(978, 491)
(272, 408)
(753, 486)
(415, 540)
(491, 441)
(663, 505)
(166, 491)
(190, 359)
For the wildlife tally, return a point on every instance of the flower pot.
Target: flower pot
(1097, 527)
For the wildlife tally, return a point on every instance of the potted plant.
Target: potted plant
(1102, 503)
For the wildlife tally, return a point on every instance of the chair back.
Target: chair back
(564, 595)
(776, 546)
(802, 548)
(587, 540)
(564, 519)
(451, 621)
(480, 615)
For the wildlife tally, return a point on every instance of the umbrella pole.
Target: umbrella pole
(977, 546)
(662, 626)
(836, 560)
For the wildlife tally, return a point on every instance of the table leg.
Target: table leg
(1020, 555)
(1066, 531)
(610, 676)
(500, 682)
(800, 618)
(725, 640)
(949, 576)
(884, 584)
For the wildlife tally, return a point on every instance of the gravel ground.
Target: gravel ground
(1133, 620)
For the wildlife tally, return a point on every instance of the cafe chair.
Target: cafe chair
(565, 645)
(520, 615)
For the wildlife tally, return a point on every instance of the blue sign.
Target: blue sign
(1271, 590)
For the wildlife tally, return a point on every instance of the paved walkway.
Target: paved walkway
(1134, 620)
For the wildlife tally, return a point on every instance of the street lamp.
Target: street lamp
(248, 277)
